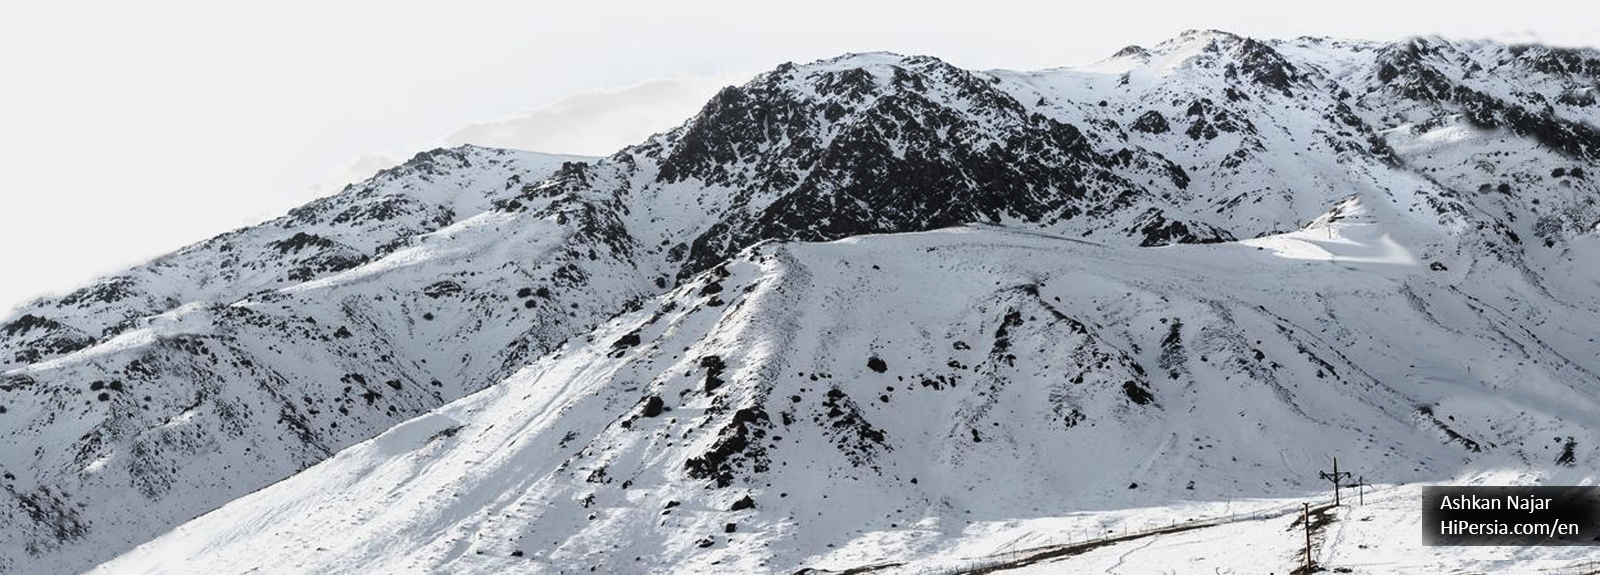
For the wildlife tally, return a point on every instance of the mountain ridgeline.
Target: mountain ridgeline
(163, 392)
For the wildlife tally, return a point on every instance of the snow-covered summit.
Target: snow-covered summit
(1351, 195)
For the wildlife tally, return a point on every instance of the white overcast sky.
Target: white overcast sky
(129, 129)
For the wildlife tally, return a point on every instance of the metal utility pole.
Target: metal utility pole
(1307, 519)
(1335, 477)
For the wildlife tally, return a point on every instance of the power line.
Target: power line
(1336, 476)
(1307, 519)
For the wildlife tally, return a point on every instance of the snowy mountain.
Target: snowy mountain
(659, 368)
(818, 395)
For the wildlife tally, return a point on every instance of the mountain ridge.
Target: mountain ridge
(347, 330)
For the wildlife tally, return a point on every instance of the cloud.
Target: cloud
(598, 123)
(363, 167)
(1564, 38)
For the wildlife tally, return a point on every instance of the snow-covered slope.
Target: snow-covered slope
(1451, 179)
(1234, 536)
(897, 391)
(248, 357)
(363, 222)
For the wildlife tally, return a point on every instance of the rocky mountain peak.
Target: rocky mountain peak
(785, 118)
(1132, 51)
(1241, 59)
(243, 359)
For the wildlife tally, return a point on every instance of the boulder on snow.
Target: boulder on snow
(653, 406)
